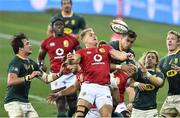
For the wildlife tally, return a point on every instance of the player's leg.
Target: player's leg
(61, 104)
(14, 109)
(31, 113)
(72, 102)
(168, 109)
(86, 99)
(71, 99)
(103, 100)
(83, 107)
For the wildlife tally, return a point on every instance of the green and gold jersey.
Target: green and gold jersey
(115, 45)
(73, 23)
(21, 67)
(145, 100)
(172, 76)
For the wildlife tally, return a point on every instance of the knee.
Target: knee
(81, 111)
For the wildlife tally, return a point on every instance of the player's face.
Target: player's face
(150, 61)
(66, 6)
(58, 27)
(90, 38)
(127, 42)
(172, 42)
(27, 49)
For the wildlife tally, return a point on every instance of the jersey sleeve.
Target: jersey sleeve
(160, 75)
(43, 44)
(14, 68)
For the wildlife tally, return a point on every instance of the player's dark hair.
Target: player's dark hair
(56, 18)
(17, 42)
(131, 34)
(62, 2)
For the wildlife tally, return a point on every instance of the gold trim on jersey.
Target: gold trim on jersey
(175, 52)
(20, 57)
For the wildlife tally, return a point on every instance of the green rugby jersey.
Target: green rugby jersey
(73, 23)
(115, 45)
(145, 100)
(21, 67)
(172, 76)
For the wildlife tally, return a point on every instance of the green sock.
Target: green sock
(61, 114)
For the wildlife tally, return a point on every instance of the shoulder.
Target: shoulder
(160, 74)
(114, 44)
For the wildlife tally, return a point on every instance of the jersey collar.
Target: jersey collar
(63, 14)
(19, 56)
(175, 52)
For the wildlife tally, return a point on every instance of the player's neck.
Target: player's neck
(22, 56)
(170, 52)
(67, 14)
(90, 46)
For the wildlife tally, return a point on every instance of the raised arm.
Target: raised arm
(121, 55)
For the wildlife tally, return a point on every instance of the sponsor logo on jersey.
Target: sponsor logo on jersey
(97, 58)
(171, 73)
(102, 50)
(59, 53)
(66, 43)
(149, 87)
(73, 22)
(52, 44)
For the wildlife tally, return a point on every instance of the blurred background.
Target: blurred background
(150, 19)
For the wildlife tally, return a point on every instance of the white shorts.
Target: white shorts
(93, 113)
(136, 113)
(171, 105)
(63, 81)
(120, 107)
(20, 109)
(95, 93)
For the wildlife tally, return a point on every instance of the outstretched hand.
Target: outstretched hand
(52, 97)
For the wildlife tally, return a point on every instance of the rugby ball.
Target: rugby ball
(119, 26)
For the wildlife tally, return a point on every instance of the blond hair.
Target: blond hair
(83, 32)
(142, 59)
(175, 33)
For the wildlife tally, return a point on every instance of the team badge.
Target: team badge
(26, 66)
(73, 22)
(176, 60)
(66, 22)
(102, 50)
(66, 43)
